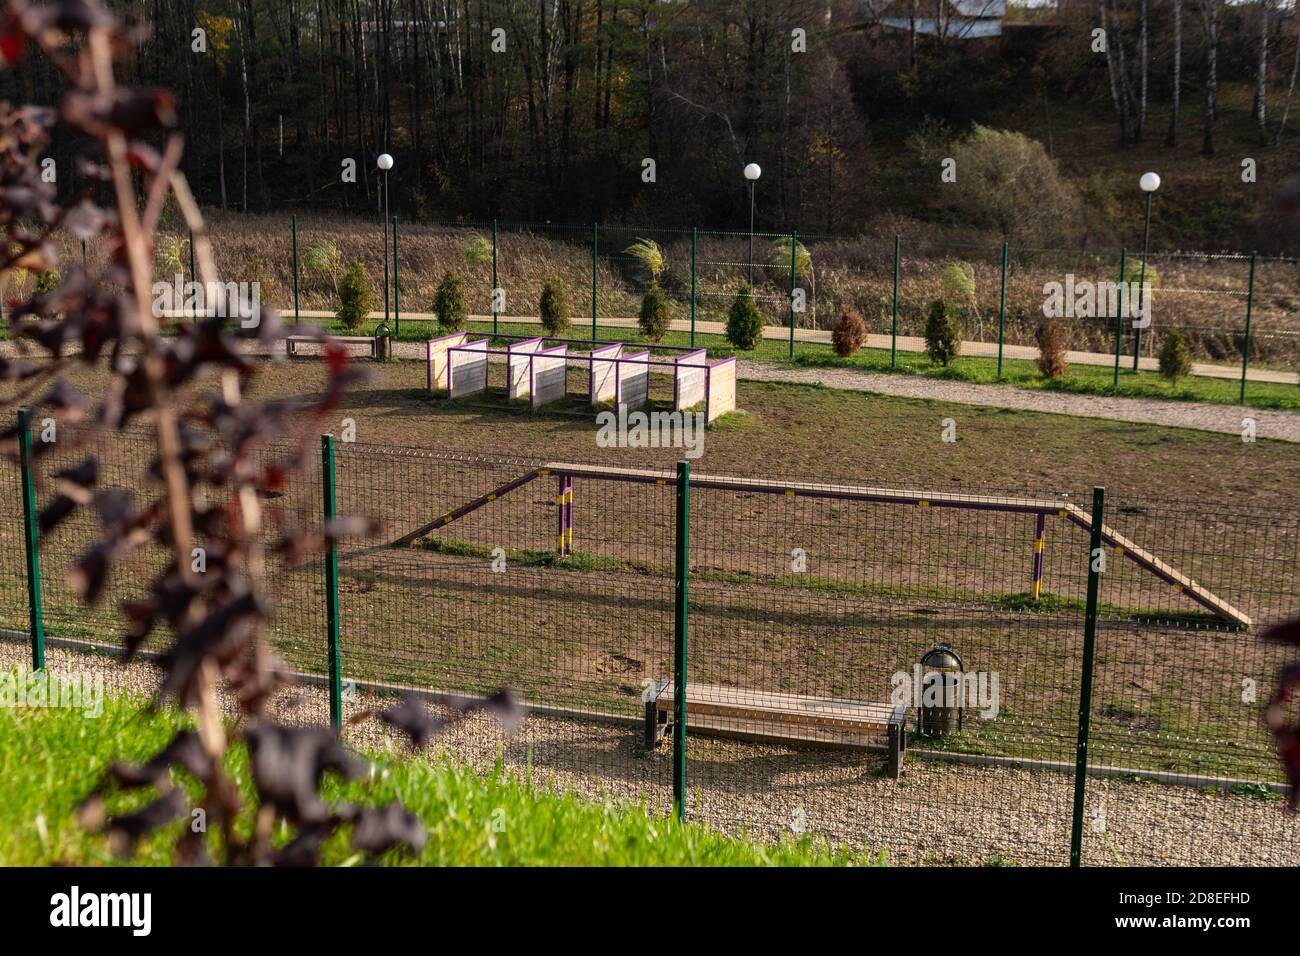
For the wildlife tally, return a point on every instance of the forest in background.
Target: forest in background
(546, 110)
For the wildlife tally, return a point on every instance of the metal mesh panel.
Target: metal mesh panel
(495, 598)
(811, 606)
(726, 259)
(831, 593)
(13, 571)
(1178, 689)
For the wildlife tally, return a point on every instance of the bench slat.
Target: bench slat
(357, 339)
(770, 730)
(768, 706)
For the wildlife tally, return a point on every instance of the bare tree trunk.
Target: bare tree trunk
(1261, 82)
(1116, 95)
(1286, 110)
(1210, 14)
(248, 115)
(911, 33)
(1143, 62)
(221, 136)
(1171, 139)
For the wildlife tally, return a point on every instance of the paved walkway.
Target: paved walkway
(1206, 416)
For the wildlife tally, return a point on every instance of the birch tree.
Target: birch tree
(1286, 109)
(1210, 19)
(1261, 74)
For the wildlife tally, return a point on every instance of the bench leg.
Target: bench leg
(656, 724)
(651, 737)
(894, 764)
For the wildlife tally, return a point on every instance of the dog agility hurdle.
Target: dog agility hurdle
(1042, 509)
(538, 374)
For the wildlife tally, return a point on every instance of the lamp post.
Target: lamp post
(385, 163)
(752, 172)
(1149, 182)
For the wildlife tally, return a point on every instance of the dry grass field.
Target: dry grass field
(1203, 295)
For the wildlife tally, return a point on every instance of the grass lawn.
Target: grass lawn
(1021, 373)
(50, 759)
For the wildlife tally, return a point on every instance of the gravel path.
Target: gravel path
(937, 813)
(1206, 416)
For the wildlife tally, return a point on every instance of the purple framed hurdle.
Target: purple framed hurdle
(1041, 509)
(536, 369)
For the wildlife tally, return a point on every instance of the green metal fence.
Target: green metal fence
(1237, 312)
(1120, 712)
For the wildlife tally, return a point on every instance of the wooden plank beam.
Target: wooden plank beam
(1140, 556)
(460, 512)
(1166, 572)
(816, 489)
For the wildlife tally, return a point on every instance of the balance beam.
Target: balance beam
(1041, 507)
(924, 499)
(450, 516)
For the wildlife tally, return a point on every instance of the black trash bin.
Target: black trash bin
(383, 342)
(940, 714)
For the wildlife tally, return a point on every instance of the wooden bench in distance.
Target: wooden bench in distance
(778, 718)
(291, 342)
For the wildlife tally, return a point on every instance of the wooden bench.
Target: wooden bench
(775, 717)
(291, 342)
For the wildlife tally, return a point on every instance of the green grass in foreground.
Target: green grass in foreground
(50, 759)
(1020, 373)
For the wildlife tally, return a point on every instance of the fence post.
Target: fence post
(794, 278)
(194, 272)
(397, 309)
(1245, 345)
(1140, 306)
(1002, 309)
(679, 639)
(31, 538)
(1085, 681)
(595, 252)
(1119, 314)
(331, 585)
(694, 247)
(893, 332)
(494, 277)
(293, 221)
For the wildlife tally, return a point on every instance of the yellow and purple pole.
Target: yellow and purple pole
(1040, 532)
(564, 514)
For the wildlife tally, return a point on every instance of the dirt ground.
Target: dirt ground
(805, 432)
(880, 586)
